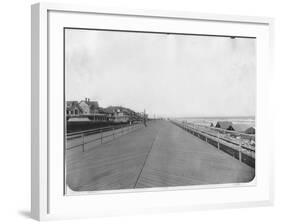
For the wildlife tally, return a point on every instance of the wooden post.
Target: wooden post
(240, 151)
(101, 138)
(218, 140)
(83, 149)
(143, 117)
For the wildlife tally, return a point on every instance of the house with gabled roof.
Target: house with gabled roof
(119, 114)
(240, 127)
(227, 125)
(73, 108)
(88, 106)
(251, 131)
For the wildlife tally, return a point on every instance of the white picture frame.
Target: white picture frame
(47, 194)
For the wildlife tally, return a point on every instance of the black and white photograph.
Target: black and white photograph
(149, 110)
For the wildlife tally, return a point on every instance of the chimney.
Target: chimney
(86, 99)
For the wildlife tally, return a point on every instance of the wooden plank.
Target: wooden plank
(159, 155)
(179, 158)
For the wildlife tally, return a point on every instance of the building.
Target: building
(73, 108)
(91, 110)
(240, 127)
(243, 128)
(119, 114)
(102, 115)
(99, 117)
(227, 125)
(250, 131)
(89, 107)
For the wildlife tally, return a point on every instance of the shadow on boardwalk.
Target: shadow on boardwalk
(159, 155)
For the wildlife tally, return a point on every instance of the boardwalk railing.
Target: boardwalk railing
(100, 134)
(231, 142)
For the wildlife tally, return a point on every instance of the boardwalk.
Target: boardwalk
(161, 154)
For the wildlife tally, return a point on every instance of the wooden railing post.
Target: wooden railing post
(240, 150)
(218, 135)
(83, 143)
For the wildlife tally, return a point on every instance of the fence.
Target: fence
(100, 134)
(218, 138)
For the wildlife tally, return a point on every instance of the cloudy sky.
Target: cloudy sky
(168, 75)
